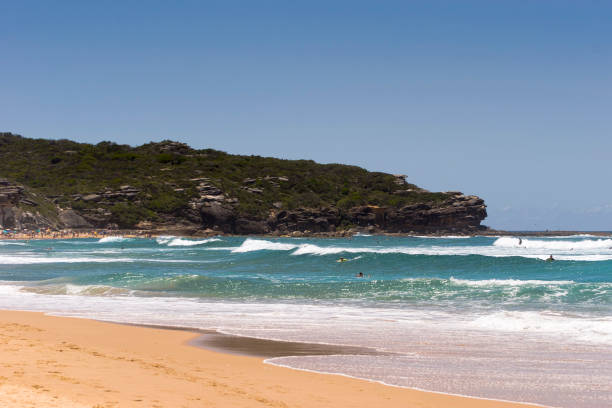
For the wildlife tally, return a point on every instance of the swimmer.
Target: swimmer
(550, 258)
(359, 275)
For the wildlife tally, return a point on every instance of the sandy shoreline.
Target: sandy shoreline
(51, 361)
(98, 234)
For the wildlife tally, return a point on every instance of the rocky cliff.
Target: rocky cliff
(170, 186)
(18, 209)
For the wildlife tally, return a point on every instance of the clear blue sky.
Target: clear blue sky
(510, 100)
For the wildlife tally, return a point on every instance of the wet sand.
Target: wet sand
(48, 361)
(250, 346)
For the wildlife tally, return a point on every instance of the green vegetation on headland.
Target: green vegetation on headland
(171, 182)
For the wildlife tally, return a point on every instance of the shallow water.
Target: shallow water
(480, 316)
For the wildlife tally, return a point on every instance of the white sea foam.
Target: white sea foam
(507, 282)
(585, 253)
(164, 239)
(311, 249)
(172, 241)
(443, 236)
(111, 239)
(563, 245)
(591, 330)
(583, 257)
(82, 290)
(29, 259)
(250, 245)
(503, 247)
(298, 322)
(578, 236)
(26, 260)
(12, 243)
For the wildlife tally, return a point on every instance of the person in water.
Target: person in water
(550, 258)
(520, 241)
(359, 275)
(341, 259)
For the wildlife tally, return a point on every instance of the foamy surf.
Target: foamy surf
(564, 245)
(178, 242)
(560, 325)
(582, 250)
(30, 260)
(107, 240)
(508, 282)
(80, 290)
(250, 245)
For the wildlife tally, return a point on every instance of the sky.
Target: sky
(508, 100)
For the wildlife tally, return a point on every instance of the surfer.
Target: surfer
(550, 258)
(341, 259)
(520, 241)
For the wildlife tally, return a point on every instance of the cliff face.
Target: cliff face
(169, 186)
(19, 209)
(214, 211)
(458, 214)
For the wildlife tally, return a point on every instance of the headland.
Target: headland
(56, 185)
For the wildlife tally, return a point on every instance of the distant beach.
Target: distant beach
(101, 233)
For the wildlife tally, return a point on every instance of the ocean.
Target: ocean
(487, 317)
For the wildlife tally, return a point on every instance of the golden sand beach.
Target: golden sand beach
(48, 361)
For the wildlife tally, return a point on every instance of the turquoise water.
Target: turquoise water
(485, 305)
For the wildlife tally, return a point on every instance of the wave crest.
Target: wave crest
(500, 249)
(111, 239)
(78, 290)
(174, 241)
(250, 245)
(507, 282)
(511, 242)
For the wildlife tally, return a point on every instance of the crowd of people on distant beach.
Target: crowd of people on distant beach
(66, 234)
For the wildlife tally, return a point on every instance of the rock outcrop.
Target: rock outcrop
(459, 214)
(18, 209)
(213, 210)
(70, 219)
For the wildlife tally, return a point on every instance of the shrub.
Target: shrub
(128, 215)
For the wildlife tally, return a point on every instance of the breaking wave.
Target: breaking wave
(27, 260)
(80, 290)
(250, 245)
(562, 245)
(503, 247)
(174, 241)
(507, 282)
(443, 236)
(106, 240)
